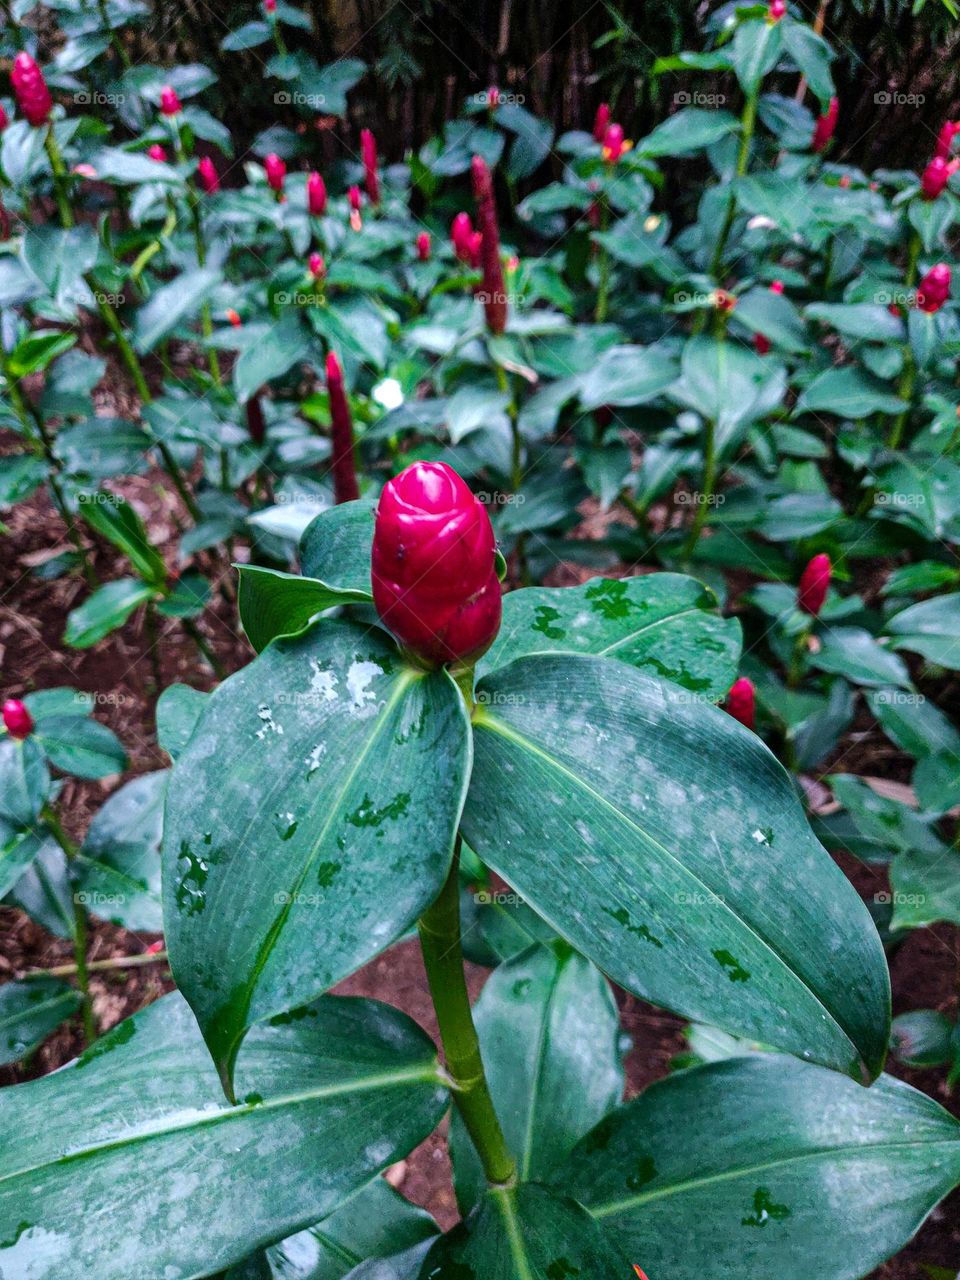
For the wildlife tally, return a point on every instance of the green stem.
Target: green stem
(114, 38)
(80, 926)
(797, 659)
(603, 285)
(443, 959)
(908, 378)
(99, 966)
(747, 125)
(706, 494)
(60, 180)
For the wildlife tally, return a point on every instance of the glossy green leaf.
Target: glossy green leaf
(24, 780)
(329, 1097)
(29, 1011)
(335, 546)
(664, 623)
(130, 168)
(854, 653)
(665, 842)
(847, 392)
(923, 1038)
(530, 1233)
(117, 521)
(37, 351)
(627, 376)
(106, 609)
(930, 628)
(44, 890)
(925, 884)
(178, 709)
(689, 129)
(754, 51)
(81, 746)
(274, 604)
(171, 304)
(728, 385)
(282, 345)
(59, 257)
(548, 1028)
(19, 845)
(325, 838)
(813, 56)
(764, 1166)
(118, 868)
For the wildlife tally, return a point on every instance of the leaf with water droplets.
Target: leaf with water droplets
(665, 842)
(305, 828)
(765, 1166)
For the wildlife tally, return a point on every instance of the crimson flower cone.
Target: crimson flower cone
(30, 90)
(316, 195)
(934, 289)
(275, 170)
(169, 102)
(494, 294)
(343, 465)
(209, 178)
(17, 720)
(814, 581)
(742, 702)
(433, 567)
(368, 152)
(825, 125)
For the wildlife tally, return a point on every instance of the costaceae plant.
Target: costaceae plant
(321, 808)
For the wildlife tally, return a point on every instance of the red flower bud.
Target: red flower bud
(493, 97)
(475, 248)
(948, 131)
(461, 231)
(276, 171)
(17, 719)
(934, 288)
(776, 11)
(156, 152)
(495, 298)
(614, 144)
(368, 151)
(742, 702)
(354, 199)
(156, 947)
(601, 122)
(433, 565)
(343, 465)
(936, 176)
(270, 6)
(724, 301)
(4, 118)
(209, 179)
(761, 344)
(316, 195)
(776, 286)
(423, 246)
(823, 129)
(30, 88)
(316, 266)
(169, 102)
(234, 317)
(814, 582)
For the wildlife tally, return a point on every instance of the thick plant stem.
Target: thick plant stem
(603, 283)
(706, 494)
(59, 179)
(443, 959)
(908, 377)
(747, 124)
(80, 926)
(99, 966)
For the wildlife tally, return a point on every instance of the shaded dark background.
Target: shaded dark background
(425, 56)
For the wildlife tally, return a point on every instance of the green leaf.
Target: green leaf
(282, 345)
(85, 748)
(727, 384)
(377, 1223)
(749, 1168)
(530, 147)
(117, 870)
(108, 608)
(18, 848)
(922, 1038)
(29, 1011)
(178, 709)
(548, 1028)
(274, 604)
(854, 653)
(187, 598)
(627, 376)
(327, 836)
(687, 130)
(335, 546)
(20, 476)
(171, 304)
(115, 519)
(24, 780)
(664, 623)
(930, 628)
(45, 893)
(858, 320)
(775, 316)
(926, 888)
(813, 56)
(249, 36)
(35, 352)
(59, 258)
(131, 168)
(754, 51)
(331, 1095)
(666, 843)
(847, 392)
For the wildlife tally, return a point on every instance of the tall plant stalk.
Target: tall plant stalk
(79, 926)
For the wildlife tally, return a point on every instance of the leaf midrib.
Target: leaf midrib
(744, 1171)
(485, 719)
(427, 1074)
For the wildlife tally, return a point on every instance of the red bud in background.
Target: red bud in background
(614, 144)
(316, 195)
(776, 11)
(761, 344)
(207, 171)
(423, 246)
(234, 317)
(814, 581)
(461, 229)
(345, 488)
(948, 131)
(601, 122)
(354, 198)
(368, 151)
(823, 129)
(475, 249)
(433, 565)
(270, 6)
(493, 97)
(156, 152)
(316, 266)
(742, 702)
(776, 286)
(30, 89)
(276, 171)
(169, 102)
(936, 176)
(17, 719)
(4, 118)
(934, 289)
(495, 298)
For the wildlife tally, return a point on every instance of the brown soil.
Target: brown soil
(121, 673)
